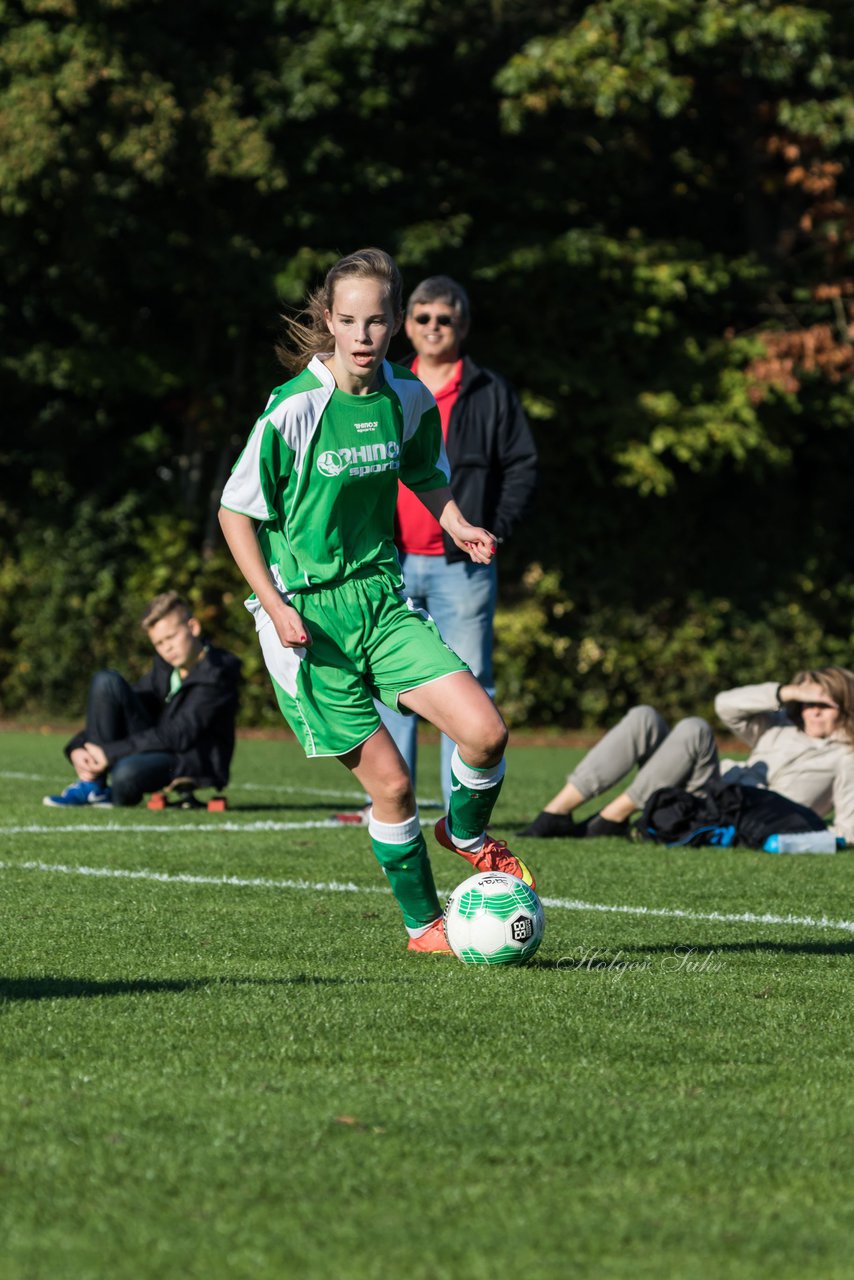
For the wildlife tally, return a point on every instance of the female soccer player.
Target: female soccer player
(308, 514)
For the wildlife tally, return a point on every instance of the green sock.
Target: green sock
(401, 851)
(473, 796)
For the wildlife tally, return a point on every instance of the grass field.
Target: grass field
(219, 1062)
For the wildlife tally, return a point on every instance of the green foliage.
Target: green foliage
(636, 192)
(68, 609)
(559, 664)
(621, 59)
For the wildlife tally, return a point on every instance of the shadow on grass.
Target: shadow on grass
(841, 947)
(86, 988)
(635, 951)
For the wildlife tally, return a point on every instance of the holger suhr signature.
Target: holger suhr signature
(680, 960)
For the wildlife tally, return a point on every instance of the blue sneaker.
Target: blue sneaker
(82, 793)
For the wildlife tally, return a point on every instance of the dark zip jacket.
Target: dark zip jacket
(491, 452)
(196, 726)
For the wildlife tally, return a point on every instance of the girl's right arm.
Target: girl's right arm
(239, 532)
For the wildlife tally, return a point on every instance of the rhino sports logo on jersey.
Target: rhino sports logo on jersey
(367, 460)
(330, 463)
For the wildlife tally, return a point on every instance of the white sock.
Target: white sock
(419, 930)
(394, 832)
(473, 845)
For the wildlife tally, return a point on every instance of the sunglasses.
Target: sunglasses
(443, 320)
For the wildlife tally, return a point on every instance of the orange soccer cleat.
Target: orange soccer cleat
(432, 940)
(493, 856)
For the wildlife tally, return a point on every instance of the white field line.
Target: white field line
(356, 797)
(331, 793)
(212, 825)
(167, 877)
(336, 793)
(334, 886)
(44, 828)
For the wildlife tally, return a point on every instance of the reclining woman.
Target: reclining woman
(801, 736)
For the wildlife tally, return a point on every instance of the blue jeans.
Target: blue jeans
(114, 711)
(460, 598)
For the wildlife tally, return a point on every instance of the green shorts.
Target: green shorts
(366, 643)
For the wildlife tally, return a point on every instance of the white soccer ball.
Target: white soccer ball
(493, 918)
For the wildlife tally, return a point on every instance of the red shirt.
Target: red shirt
(417, 532)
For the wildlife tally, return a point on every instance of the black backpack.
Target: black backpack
(729, 814)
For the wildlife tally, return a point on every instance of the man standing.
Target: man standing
(493, 462)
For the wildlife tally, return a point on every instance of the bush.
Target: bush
(559, 664)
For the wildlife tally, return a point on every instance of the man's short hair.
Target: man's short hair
(167, 602)
(441, 289)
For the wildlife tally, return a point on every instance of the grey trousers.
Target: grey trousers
(685, 757)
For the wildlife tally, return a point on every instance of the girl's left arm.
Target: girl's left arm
(479, 544)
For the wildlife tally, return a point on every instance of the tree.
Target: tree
(648, 199)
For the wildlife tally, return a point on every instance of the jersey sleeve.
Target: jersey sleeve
(423, 461)
(261, 469)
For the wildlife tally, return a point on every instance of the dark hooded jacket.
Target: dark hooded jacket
(196, 725)
(491, 452)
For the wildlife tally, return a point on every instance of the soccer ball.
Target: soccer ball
(493, 918)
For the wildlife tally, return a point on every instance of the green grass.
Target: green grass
(224, 1081)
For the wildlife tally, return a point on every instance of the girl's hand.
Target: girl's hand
(481, 549)
(290, 628)
(480, 544)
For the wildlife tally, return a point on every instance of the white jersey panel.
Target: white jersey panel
(296, 418)
(415, 400)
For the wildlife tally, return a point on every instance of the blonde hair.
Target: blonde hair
(311, 337)
(838, 684)
(167, 602)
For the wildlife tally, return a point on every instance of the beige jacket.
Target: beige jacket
(818, 772)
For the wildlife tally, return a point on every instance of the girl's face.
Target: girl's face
(362, 322)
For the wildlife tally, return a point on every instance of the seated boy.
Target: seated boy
(176, 722)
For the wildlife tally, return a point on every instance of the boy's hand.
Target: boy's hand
(98, 760)
(88, 762)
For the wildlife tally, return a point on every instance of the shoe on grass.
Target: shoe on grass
(357, 818)
(93, 794)
(431, 940)
(492, 856)
(599, 826)
(548, 825)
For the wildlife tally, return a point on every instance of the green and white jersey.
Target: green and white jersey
(319, 474)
